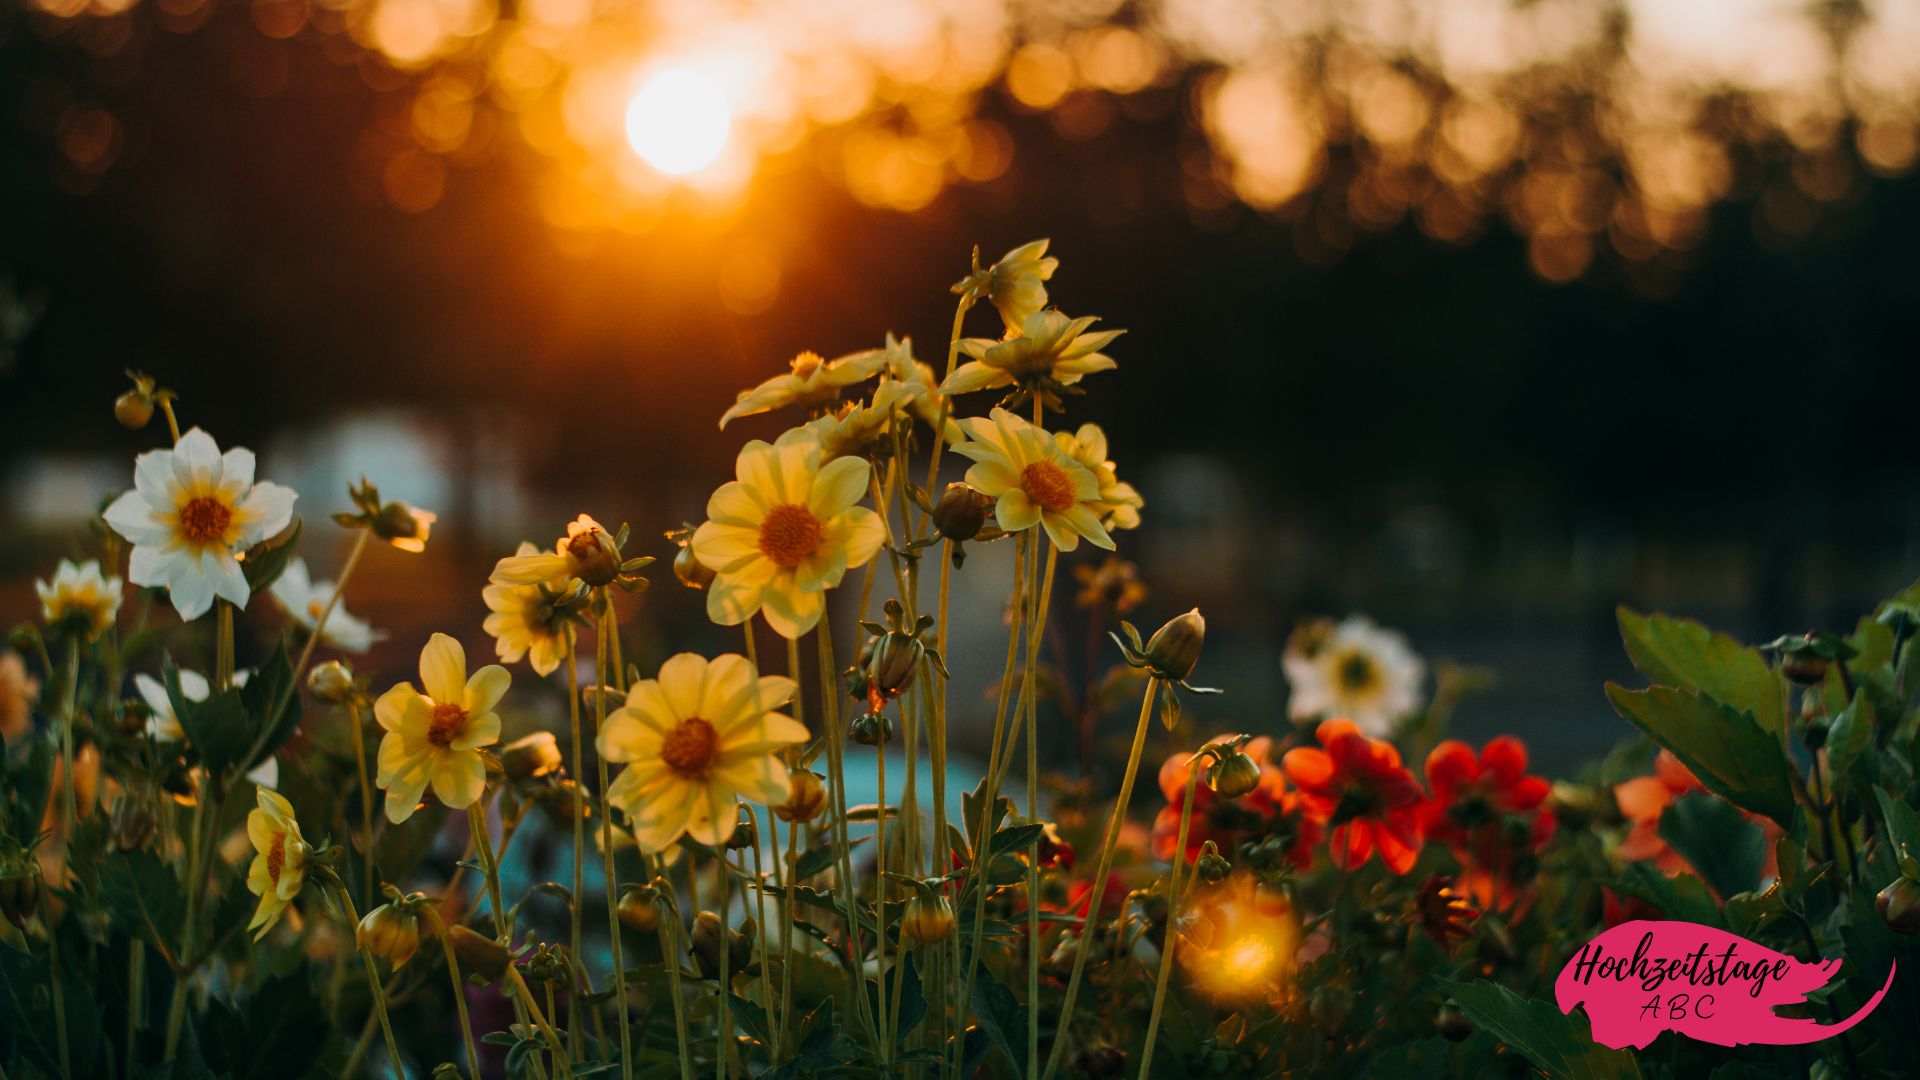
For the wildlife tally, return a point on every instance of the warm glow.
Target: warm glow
(679, 121)
(1240, 941)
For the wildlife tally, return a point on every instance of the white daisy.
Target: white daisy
(304, 599)
(1355, 670)
(191, 510)
(80, 596)
(163, 724)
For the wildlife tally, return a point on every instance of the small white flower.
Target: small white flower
(163, 724)
(191, 510)
(304, 600)
(80, 593)
(1355, 670)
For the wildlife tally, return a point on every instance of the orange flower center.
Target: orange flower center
(205, 520)
(581, 544)
(806, 364)
(789, 534)
(1048, 485)
(276, 857)
(446, 723)
(689, 749)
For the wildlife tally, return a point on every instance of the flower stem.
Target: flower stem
(723, 979)
(1173, 916)
(937, 747)
(946, 405)
(320, 624)
(609, 632)
(459, 990)
(373, 980)
(760, 915)
(59, 994)
(359, 737)
(1036, 628)
(880, 894)
(562, 1063)
(483, 848)
(836, 736)
(1100, 875)
(669, 931)
(579, 827)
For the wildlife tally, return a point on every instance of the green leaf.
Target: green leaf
(1903, 825)
(1723, 747)
(1002, 1016)
(273, 1027)
(142, 896)
(264, 565)
(752, 1017)
(1017, 837)
(1684, 654)
(1721, 844)
(26, 1014)
(1556, 1043)
(1851, 735)
(217, 728)
(271, 686)
(821, 859)
(1684, 897)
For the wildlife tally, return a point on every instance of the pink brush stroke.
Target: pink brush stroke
(1734, 1010)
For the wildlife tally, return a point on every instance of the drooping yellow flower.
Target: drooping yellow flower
(783, 533)
(813, 383)
(1050, 351)
(697, 741)
(1032, 480)
(523, 621)
(1119, 504)
(191, 511)
(586, 552)
(435, 738)
(1015, 283)
(280, 861)
(79, 597)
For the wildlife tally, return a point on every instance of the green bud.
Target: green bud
(1174, 649)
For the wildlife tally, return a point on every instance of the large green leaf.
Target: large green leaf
(217, 728)
(1556, 1043)
(142, 896)
(1002, 1015)
(1718, 840)
(1683, 653)
(1723, 746)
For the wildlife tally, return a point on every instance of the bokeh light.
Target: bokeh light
(679, 121)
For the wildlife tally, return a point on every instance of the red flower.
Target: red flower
(1442, 912)
(1485, 807)
(1615, 910)
(1113, 899)
(1358, 786)
(1263, 811)
(1644, 799)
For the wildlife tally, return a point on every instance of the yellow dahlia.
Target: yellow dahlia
(1049, 351)
(1032, 480)
(79, 597)
(523, 620)
(1015, 283)
(783, 533)
(435, 738)
(280, 860)
(586, 552)
(191, 511)
(1119, 503)
(813, 382)
(697, 741)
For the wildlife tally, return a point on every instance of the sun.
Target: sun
(679, 121)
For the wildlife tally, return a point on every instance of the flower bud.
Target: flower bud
(1804, 668)
(547, 965)
(692, 573)
(704, 944)
(745, 834)
(20, 892)
(806, 797)
(1175, 648)
(447, 1070)
(1211, 867)
(530, 756)
(390, 931)
(133, 409)
(1234, 775)
(961, 512)
(639, 909)
(478, 955)
(133, 823)
(1453, 1024)
(398, 521)
(592, 557)
(895, 661)
(927, 919)
(872, 729)
(330, 682)
(1899, 905)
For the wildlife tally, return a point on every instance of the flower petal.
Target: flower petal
(443, 670)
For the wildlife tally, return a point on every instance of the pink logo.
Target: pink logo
(1644, 977)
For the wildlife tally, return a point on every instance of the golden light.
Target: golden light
(679, 121)
(1242, 943)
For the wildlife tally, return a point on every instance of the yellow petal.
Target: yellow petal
(443, 670)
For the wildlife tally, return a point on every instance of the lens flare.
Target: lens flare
(679, 121)
(1241, 942)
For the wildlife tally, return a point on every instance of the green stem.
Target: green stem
(723, 979)
(669, 930)
(373, 980)
(1100, 876)
(562, 1063)
(359, 737)
(1173, 917)
(607, 636)
(459, 991)
(576, 763)
(483, 849)
(320, 624)
(136, 981)
(1036, 628)
(760, 915)
(836, 736)
(59, 999)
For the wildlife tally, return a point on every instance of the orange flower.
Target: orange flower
(1644, 799)
(1358, 787)
(1268, 810)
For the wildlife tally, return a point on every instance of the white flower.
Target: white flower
(81, 595)
(1354, 670)
(191, 510)
(164, 725)
(304, 599)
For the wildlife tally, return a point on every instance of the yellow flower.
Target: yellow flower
(1014, 283)
(1050, 350)
(435, 737)
(280, 863)
(1119, 503)
(191, 510)
(1033, 481)
(523, 622)
(813, 382)
(785, 532)
(697, 741)
(582, 553)
(80, 596)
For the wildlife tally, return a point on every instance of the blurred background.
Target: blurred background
(1477, 316)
